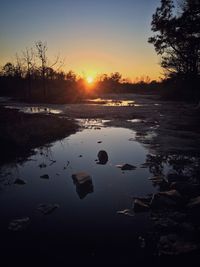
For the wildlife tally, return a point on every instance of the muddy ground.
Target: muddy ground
(166, 126)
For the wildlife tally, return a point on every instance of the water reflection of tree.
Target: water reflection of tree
(179, 165)
(8, 174)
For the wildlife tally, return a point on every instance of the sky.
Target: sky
(92, 36)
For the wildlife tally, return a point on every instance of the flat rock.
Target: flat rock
(172, 194)
(194, 203)
(47, 208)
(19, 224)
(173, 245)
(164, 200)
(126, 167)
(186, 189)
(140, 206)
(81, 177)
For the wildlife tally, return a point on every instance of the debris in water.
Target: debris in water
(42, 165)
(19, 224)
(126, 212)
(47, 208)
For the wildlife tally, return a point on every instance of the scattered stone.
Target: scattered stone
(103, 157)
(42, 165)
(187, 227)
(126, 212)
(186, 189)
(126, 167)
(172, 194)
(166, 224)
(194, 203)
(168, 199)
(19, 181)
(174, 177)
(140, 206)
(19, 224)
(173, 245)
(80, 156)
(45, 176)
(99, 142)
(81, 177)
(142, 242)
(47, 208)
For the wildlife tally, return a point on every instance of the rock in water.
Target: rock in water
(127, 212)
(103, 157)
(81, 177)
(126, 167)
(83, 182)
(45, 176)
(47, 208)
(19, 181)
(194, 203)
(140, 206)
(174, 245)
(19, 224)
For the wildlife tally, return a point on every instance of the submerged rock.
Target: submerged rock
(194, 203)
(45, 176)
(167, 199)
(102, 157)
(140, 206)
(173, 245)
(47, 208)
(174, 177)
(19, 181)
(19, 224)
(126, 167)
(186, 189)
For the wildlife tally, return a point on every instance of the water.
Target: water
(86, 219)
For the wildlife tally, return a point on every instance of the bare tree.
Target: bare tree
(28, 56)
(41, 49)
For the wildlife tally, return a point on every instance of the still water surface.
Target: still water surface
(86, 222)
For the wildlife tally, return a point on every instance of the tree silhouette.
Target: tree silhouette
(41, 49)
(178, 37)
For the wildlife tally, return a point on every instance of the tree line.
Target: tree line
(34, 78)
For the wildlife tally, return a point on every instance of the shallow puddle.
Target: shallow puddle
(84, 212)
(84, 220)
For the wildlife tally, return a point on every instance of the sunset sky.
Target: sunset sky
(93, 36)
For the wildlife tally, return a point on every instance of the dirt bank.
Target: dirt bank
(20, 132)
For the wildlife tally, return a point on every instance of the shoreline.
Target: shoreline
(21, 133)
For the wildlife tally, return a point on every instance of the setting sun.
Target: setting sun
(90, 79)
